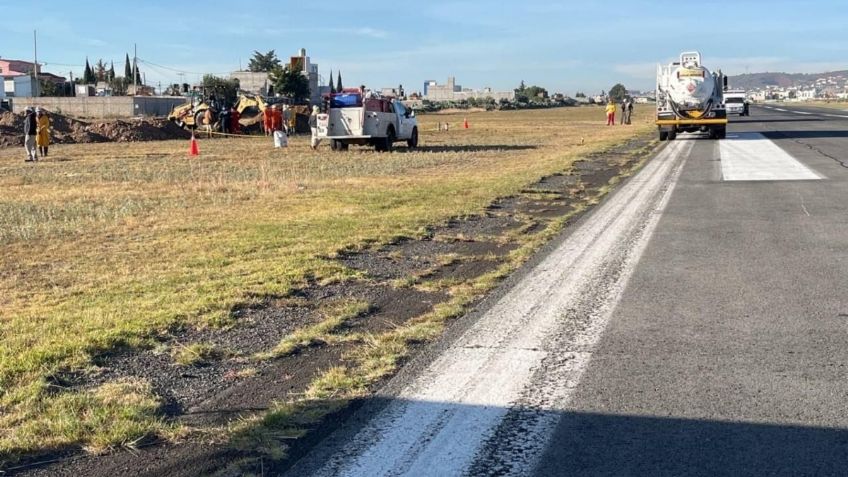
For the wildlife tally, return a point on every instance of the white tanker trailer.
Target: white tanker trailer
(690, 99)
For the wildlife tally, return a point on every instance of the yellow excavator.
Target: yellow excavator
(189, 115)
(250, 107)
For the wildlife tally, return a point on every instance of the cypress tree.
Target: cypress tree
(88, 74)
(339, 83)
(332, 86)
(111, 75)
(127, 68)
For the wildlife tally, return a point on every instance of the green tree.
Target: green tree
(263, 63)
(535, 92)
(127, 67)
(618, 92)
(88, 74)
(291, 83)
(580, 95)
(47, 87)
(225, 90)
(100, 70)
(339, 86)
(111, 74)
(332, 86)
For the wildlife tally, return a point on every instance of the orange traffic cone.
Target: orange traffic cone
(194, 149)
(465, 123)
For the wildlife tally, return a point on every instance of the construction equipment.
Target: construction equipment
(189, 115)
(250, 108)
(690, 99)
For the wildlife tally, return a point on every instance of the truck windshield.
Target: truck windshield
(346, 100)
(734, 100)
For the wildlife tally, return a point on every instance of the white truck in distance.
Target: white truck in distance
(356, 118)
(736, 101)
(690, 98)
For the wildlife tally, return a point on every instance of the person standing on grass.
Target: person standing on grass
(623, 111)
(235, 125)
(313, 125)
(610, 113)
(629, 110)
(267, 119)
(30, 131)
(43, 125)
(224, 119)
(208, 119)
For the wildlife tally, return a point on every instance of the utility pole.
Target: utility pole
(73, 87)
(35, 62)
(135, 69)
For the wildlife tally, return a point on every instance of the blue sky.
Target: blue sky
(564, 46)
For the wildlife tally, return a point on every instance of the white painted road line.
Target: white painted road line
(753, 157)
(528, 351)
(779, 109)
(842, 116)
(802, 112)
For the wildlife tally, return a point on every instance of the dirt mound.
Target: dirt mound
(66, 130)
(138, 130)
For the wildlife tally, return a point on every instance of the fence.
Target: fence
(99, 107)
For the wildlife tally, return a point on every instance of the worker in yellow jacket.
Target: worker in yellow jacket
(42, 139)
(611, 113)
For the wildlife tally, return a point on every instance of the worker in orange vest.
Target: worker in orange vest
(267, 119)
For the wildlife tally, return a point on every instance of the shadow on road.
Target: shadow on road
(585, 444)
(600, 444)
(805, 134)
(755, 119)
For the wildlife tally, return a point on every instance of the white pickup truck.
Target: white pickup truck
(736, 102)
(354, 118)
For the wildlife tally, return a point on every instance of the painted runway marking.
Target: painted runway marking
(526, 353)
(753, 157)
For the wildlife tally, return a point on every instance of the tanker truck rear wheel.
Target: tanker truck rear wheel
(663, 135)
(672, 135)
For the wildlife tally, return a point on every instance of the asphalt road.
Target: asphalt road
(696, 323)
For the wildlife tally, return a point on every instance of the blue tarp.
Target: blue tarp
(346, 100)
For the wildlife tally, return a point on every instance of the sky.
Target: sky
(565, 46)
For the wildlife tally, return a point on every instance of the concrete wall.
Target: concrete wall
(103, 107)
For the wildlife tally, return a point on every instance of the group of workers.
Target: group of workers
(626, 111)
(275, 119)
(36, 134)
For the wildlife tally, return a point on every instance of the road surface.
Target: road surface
(696, 323)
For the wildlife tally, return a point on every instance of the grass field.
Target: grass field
(108, 245)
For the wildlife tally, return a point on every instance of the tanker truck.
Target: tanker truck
(690, 99)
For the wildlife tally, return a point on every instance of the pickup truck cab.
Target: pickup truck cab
(356, 118)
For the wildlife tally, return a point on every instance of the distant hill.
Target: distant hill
(784, 80)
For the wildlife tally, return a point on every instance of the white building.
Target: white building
(454, 92)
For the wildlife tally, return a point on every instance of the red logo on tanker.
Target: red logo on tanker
(691, 87)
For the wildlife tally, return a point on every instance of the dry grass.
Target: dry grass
(108, 245)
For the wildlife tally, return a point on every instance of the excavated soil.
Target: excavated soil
(224, 390)
(67, 130)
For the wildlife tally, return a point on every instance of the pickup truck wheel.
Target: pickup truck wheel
(413, 141)
(390, 140)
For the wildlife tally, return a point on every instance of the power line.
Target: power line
(176, 70)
